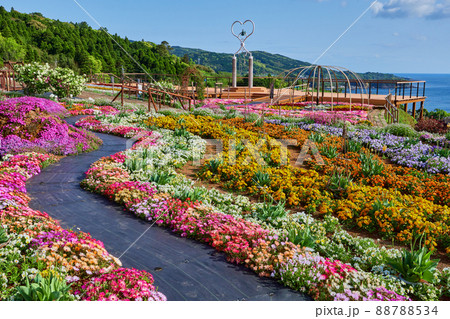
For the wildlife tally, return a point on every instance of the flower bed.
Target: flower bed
(36, 244)
(403, 218)
(35, 251)
(322, 115)
(409, 181)
(404, 151)
(83, 109)
(32, 124)
(189, 218)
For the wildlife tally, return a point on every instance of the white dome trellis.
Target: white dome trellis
(316, 80)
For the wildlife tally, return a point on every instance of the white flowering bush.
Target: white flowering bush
(40, 78)
(35, 76)
(64, 82)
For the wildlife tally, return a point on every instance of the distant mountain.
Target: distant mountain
(264, 63)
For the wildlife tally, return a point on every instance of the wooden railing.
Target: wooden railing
(8, 77)
(156, 97)
(391, 110)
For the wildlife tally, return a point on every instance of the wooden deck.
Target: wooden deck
(262, 94)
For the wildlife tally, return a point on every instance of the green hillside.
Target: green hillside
(32, 37)
(264, 63)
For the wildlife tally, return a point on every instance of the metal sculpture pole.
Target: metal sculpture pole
(250, 71)
(234, 72)
(242, 36)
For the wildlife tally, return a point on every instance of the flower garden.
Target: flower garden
(323, 114)
(39, 260)
(294, 223)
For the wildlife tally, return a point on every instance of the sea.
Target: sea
(437, 89)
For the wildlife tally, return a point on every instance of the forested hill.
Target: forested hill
(32, 37)
(264, 63)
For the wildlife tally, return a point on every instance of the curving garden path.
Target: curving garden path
(183, 269)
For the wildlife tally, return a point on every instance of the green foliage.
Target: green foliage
(405, 118)
(338, 183)
(91, 65)
(353, 146)
(231, 114)
(214, 164)
(181, 132)
(329, 151)
(10, 50)
(270, 213)
(44, 289)
(3, 236)
(316, 137)
(203, 112)
(77, 46)
(161, 177)
(188, 193)
(167, 112)
(443, 152)
(261, 179)
(400, 130)
(302, 236)
(134, 164)
(369, 165)
(414, 265)
(437, 114)
(290, 128)
(251, 118)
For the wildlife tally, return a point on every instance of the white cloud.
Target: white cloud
(430, 9)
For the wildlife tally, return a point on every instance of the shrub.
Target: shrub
(203, 112)
(40, 78)
(400, 130)
(35, 76)
(64, 82)
(431, 125)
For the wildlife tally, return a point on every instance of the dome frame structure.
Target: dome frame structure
(321, 79)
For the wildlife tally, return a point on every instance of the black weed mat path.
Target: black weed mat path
(183, 269)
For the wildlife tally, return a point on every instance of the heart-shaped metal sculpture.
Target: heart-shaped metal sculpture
(242, 39)
(242, 36)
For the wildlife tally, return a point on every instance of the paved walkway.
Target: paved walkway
(376, 116)
(183, 269)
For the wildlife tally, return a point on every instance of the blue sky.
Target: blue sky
(396, 36)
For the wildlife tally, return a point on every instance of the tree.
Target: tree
(10, 50)
(163, 49)
(4, 29)
(185, 58)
